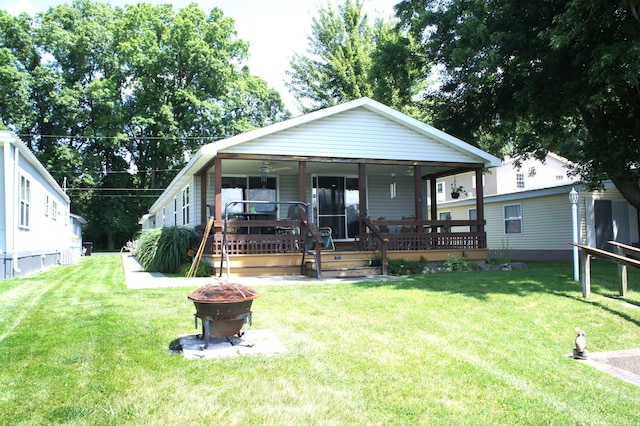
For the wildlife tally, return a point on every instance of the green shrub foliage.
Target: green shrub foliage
(166, 249)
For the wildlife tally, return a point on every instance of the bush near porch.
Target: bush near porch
(469, 348)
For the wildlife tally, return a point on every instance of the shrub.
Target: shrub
(406, 267)
(204, 270)
(147, 246)
(165, 250)
(456, 263)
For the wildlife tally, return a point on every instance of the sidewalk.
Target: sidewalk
(136, 278)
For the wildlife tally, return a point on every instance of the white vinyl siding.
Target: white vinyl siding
(350, 135)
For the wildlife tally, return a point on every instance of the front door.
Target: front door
(604, 224)
(335, 204)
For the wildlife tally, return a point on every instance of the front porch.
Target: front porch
(257, 248)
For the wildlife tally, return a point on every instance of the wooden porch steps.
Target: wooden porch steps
(334, 264)
(343, 264)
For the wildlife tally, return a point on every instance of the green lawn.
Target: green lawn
(470, 348)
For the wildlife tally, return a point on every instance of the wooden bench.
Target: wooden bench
(586, 253)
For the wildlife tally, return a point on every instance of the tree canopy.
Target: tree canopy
(348, 58)
(115, 99)
(539, 75)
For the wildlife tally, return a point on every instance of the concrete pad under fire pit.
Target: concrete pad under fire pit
(251, 343)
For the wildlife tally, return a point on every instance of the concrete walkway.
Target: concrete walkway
(136, 278)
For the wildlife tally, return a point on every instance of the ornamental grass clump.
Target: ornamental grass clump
(166, 249)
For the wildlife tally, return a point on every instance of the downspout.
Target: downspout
(16, 206)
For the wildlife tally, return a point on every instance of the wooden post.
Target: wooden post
(417, 191)
(586, 273)
(217, 188)
(622, 274)
(203, 197)
(362, 201)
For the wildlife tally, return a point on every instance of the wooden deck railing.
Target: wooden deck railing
(267, 236)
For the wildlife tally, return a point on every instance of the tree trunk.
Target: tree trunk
(628, 187)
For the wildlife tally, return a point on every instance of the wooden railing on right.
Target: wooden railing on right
(586, 253)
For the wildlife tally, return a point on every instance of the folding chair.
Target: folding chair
(327, 240)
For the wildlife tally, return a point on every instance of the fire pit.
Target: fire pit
(223, 308)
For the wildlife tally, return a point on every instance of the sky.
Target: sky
(275, 29)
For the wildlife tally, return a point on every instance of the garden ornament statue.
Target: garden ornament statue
(580, 351)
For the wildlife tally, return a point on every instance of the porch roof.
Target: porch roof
(358, 130)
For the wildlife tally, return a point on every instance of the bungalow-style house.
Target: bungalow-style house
(528, 212)
(321, 192)
(34, 213)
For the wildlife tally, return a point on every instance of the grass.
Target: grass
(469, 348)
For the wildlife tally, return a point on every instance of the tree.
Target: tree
(16, 54)
(113, 100)
(539, 75)
(337, 67)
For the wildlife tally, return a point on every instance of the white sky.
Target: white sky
(275, 29)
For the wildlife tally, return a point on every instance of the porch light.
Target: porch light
(392, 186)
(263, 173)
(574, 197)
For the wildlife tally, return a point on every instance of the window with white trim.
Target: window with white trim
(513, 219)
(25, 202)
(54, 210)
(520, 180)
(440, 191)
(46, 205)
(185, 206)
(175, 211)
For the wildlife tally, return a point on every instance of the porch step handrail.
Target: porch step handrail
(306, 225)
(383, 242)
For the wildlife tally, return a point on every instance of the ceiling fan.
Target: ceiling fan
(268, 167)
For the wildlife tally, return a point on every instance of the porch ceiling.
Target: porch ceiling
(284, 168)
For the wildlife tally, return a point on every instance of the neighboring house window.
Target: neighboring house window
(559, 178)
(445, 216)
(440, 191)
(513, 219)
(185, 206)
(54, 210)
(473, 215)
(46, 205)
(175, 211)
(25, 202)
(520, 180)
(164, 215)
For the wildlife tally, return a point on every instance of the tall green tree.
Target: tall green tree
(16, 60)
(115, 99)
(338, 61)
(348, 58)
(528, 77)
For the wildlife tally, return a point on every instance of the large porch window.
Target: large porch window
(249, 188)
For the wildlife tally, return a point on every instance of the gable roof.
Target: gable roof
(374, 122)
(11, 138)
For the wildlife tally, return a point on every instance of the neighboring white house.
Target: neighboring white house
(35, 227)
(528, 212)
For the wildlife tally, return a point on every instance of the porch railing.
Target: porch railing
(270, 242)
(382, 235)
